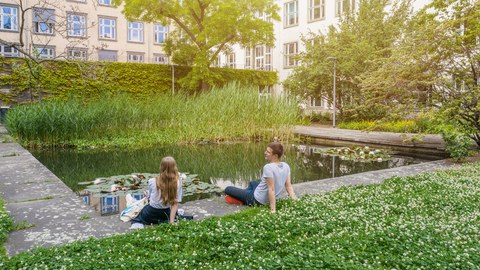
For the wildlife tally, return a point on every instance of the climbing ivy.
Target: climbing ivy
(61, 79)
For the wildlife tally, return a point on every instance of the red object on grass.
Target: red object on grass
(231, 200)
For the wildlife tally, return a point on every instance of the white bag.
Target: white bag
(133, 208)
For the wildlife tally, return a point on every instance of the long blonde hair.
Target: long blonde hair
(167, 181)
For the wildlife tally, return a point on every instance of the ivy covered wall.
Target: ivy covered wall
(60, 79)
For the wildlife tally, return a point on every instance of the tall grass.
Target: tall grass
(229, 113)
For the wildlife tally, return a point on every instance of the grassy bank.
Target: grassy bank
(229, 113)
(422, 222)
(5, 227)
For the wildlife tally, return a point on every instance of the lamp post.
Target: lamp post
(173, 79)
(334, 87)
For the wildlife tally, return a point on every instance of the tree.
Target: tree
(438, 60)
(359, 39)
(205, 28)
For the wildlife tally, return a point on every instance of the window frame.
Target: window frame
(248, 58)
(131, 30)
(50, 49)
(157, 33)
(83, 25)
(231, 60)
(49, 22)
(102, 27)
(287, 54)
(141, 56)
(288, 15)
(9, 54)
(157, 56)
(312, 7)
(101, 3)
(74, 49)
(108, 60)
(13, 17)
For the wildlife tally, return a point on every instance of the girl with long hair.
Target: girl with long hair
(164, 194)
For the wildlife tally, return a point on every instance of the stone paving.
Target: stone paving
(35, 196)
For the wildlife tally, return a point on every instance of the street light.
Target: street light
(173, 79)
(334, 87)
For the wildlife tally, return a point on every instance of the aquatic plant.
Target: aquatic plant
(230, 113)
(358, 153)
(137, 183)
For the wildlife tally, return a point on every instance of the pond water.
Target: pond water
(224, 164)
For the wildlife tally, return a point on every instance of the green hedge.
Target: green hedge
(59, 79)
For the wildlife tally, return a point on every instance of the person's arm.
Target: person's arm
(289, 188)
(173, 212)
(271, 193)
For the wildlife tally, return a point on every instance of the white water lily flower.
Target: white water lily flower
(97, 181)
(371, 153)
(379, 159)
(362, 153)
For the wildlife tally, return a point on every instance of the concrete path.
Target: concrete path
(412, 143)
(35, 196)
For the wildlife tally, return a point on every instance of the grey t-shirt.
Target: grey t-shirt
(279, 172)
(154, 194)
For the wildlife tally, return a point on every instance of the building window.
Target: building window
(291, 14)
(135, 57)
(45, 52)
(290, 52)
(77, 53)
(268, 58)
(107, 55)
(160, 58)
(342, 6)
(106, 28)
(135, 32)
(8, 51)
(105, 2)
(259, 56)
(248, 58)
(316, 10)
(231, 60)
(160, 33)
(77, 25)
(43, 21)
(8, 18)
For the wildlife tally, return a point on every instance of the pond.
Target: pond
(221, 165)
(224, 164)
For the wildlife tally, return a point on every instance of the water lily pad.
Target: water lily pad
(358, 153)
(120, 185)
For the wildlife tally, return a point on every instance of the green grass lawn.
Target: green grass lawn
(430, 221)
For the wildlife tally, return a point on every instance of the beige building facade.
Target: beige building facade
(96, 30)
(79, 29)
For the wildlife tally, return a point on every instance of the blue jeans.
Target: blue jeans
(151, 215)
(244, 195)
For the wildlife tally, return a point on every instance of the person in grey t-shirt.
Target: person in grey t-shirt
(275, 180)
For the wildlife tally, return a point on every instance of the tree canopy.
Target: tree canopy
(202, 29)
(361, 38)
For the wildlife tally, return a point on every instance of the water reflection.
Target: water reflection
(223, 165)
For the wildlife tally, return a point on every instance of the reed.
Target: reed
(232, 112)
